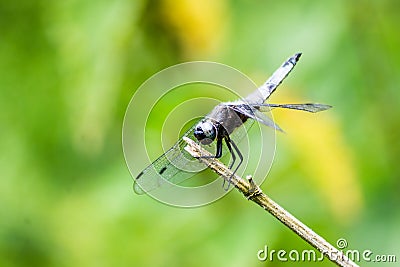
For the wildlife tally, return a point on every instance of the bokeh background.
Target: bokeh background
(69, 68)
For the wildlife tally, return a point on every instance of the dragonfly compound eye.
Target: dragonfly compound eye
(205, 132)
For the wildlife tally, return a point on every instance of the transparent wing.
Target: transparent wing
(256, 115)
(255, 112)
(176, 165)
(309, 107)
(173, 167)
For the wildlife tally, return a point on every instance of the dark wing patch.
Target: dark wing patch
(256, 115)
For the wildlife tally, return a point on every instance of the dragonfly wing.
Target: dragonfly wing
(173, 167)
(256, 115)
(309, 107)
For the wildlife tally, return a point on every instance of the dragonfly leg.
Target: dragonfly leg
(229, 142)
(218, 153)
(239, 155)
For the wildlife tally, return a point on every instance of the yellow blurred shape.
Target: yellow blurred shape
(324, 156)
(198, 25)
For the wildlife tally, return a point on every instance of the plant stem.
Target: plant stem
(252, 192)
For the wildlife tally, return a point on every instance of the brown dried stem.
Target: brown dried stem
(252, 192)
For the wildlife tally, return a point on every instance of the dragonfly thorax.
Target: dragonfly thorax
(205, 132)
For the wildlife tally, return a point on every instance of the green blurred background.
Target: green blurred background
(69, 69)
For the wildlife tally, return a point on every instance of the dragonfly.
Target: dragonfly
(218, 128)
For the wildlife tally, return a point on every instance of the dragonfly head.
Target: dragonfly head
(205, 132)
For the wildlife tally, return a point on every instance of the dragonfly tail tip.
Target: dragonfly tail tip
(295, 58)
